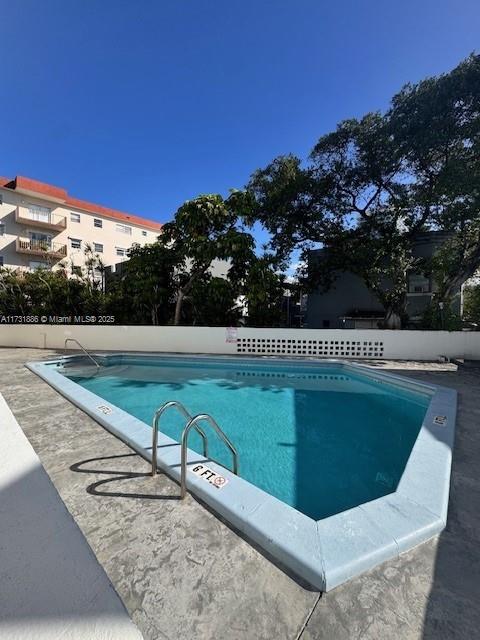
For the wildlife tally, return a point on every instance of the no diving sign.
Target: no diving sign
(231, 334)
(210, 476)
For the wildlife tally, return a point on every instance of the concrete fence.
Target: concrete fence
(333, 343)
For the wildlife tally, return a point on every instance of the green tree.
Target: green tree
(437, 123)
(455, 262)
(214, 302)
(372, 184)
(263, 293)
(471, 304)
(203, 230)
(144, 292)
(13, 299)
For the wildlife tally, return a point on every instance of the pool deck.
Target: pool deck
(182, 573)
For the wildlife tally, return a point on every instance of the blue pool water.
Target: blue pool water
(322, 440)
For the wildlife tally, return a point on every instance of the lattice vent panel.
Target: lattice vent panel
(300, 347)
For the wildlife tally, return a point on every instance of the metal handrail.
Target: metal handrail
(82, 348)
(156, 417)
(193, 423)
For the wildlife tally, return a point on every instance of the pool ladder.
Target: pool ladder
(89, 355)
(192, 423)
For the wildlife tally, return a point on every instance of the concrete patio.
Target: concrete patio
(182, 573)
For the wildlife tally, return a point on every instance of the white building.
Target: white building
(41, 225)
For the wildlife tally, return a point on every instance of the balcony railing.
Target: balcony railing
(51, 221)
(42, 248)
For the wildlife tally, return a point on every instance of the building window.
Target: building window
(418, 283)
(36, 212)
(77, 271)
(2, 228)
(40, 240)
(121, 252)
(74, 217)
(98, 247)
(97, 223)
(75, 243)
(37, 264)
(144, 233)
(326, 324)
(123, 228)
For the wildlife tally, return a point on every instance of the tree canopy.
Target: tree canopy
(144, 290)
(203, 230)
(372, 184)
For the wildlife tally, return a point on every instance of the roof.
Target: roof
(23, 184)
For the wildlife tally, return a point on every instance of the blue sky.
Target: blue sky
(143, 104)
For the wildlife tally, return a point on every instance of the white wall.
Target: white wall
(396, 345)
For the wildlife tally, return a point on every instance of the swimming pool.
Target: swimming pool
(285, 421)
(332, 455)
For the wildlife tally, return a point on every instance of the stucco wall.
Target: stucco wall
(348, 293)
(409, 345)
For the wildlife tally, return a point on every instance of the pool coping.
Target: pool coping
(53, 586)
(326, 552)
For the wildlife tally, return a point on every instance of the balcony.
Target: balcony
(51, 221)
(42, 248)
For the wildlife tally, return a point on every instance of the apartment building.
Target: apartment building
(41, 225)
(349, 304)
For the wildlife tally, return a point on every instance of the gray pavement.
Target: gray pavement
(184, 574)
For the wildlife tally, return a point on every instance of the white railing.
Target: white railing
(26, 216)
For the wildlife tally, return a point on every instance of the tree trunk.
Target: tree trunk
(178, 307)
(394, 306)
(392, 319)
(184, 291)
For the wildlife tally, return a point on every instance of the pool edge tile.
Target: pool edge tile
(352, 544)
